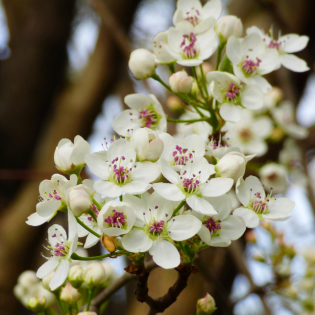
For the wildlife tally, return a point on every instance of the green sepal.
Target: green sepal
(226, 65)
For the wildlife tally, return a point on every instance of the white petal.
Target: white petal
(261, 82)
(294, 63)
(269, 61)
(91, 240)
(136, 187)
(122, 148)
(232, 228)
(58, 230)
(217, 187)
(212, 8)
(283, 205)
(222, 204)
(169, 191)
(146, 172)
(47, 268)
(72, 226)
(200, 205)
(137, 101)
(233, 50)
(81, 149)
(165, 254)
(197, 166)
(138, 205)
(252, 97)
(231, 112)
(242, 192)
(254, 185)
(107, 189)
(250, 218)
(204, 25)
(136, 241)
(262, 127)
(164, 208)
(127, 119)
(97, 166)
(205, 235)
(294, 43)
(48, 208)
(276, 216)
(220, 241)
(183, 227)
(35, 219)
(60, 275)
(168, 172)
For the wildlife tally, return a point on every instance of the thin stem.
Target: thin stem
(75, 256)
(92, 214)
(157, 78)
(187, 120)
(193, 69)
(87, 228)
(96, 204)
(204, 82)
(203, 247)
(90, 297)
(171, 67)
(197, 110)
(120, 197)
(76, 308)
(179, 207)
(220, 49)
(59, 302)
(70, 310)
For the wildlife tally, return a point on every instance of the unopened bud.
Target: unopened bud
(229, 26)
(232, 165)
(142, 63)
(75, 276)
(79, 199)
(206, 305)
(108, 243)
(94, 275)
(37, 304)
(180, 82)
(174, 103)
(69, 294)
(27, 278)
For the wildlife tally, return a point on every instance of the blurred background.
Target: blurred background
(63, 72)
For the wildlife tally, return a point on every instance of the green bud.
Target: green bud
(37, 304)
(206, 305)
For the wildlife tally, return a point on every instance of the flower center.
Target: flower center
(193, 16)
(120, 174)
(213, 225)
(245, 134)
(188, 45)
(274, 44)
(96, 212)
(259, 205)
(156, 227)
(249, 66)
(148, 118)
(181, 156)
(232, 92)
(52, 195)
(116, 219)
(60, 249)
(190, 185)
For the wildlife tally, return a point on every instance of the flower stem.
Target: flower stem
(171, 67)
(157, 78)
(121, 198)
(70, 310)
(75, 256)
(204, 246)
(92, 214)
(90, 297)
(62, 310)
(220, 49)
(187, 120)
(87, 228)
(204, 82)
(193, 69)
(179, 207)
(96, 204)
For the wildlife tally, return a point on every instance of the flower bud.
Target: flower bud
(75, 276)
(69, 294)
(232, 165)
(27, 278)
(206, 305)
(142, 63)
(229, 26)
(37, 304)
(79, 199)
(94, 275)
(108, 243)
(174, 103)
(46, 281)
(180, 82)
(274, 177)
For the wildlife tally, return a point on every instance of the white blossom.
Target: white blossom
(142, 63)
(79, 199)
(274, 176)
(161, 54)
(228, 26)
(180, 82)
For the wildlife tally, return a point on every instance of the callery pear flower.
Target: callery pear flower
(192, 184)
(162, 56)
(284, 115)
(146, 111)
(206, 306)
(257, 206)
(156, 229)
(61, 249)
(70, 156)
(79, 199)
(229, 26)
(189, 48)
(116, 218)
(180, 82)
(177, 152)
(232, 95)
(249, 133)
(147, 144)
(94, 275)
(222, 228)
(142, 63)
(122, 173)
(274, 175)
(69, 294)
(202, 18)
(285, 46)
(216, 149)
(52, 198)
(251, 60)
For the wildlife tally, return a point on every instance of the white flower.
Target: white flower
(147, 144)
(201, 128)
(187, 47)
(251, 60)
(274, 177)
(228, 91)
(192, 184)
(222, 228)
(79, 199)
(142, 64)
(178, 152)
(116, 218)
(145, 112)
(162, 56)
(257, 206)
(291, 154)
(69, 156)
(94, 275)
(249, 133)
(180, 82)
(216, 149)
(229, 26)
(284, 46)
(201, 18)
(52, 198)
(158, 229)
(121, 173)
(61, 250)
(284, 115)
